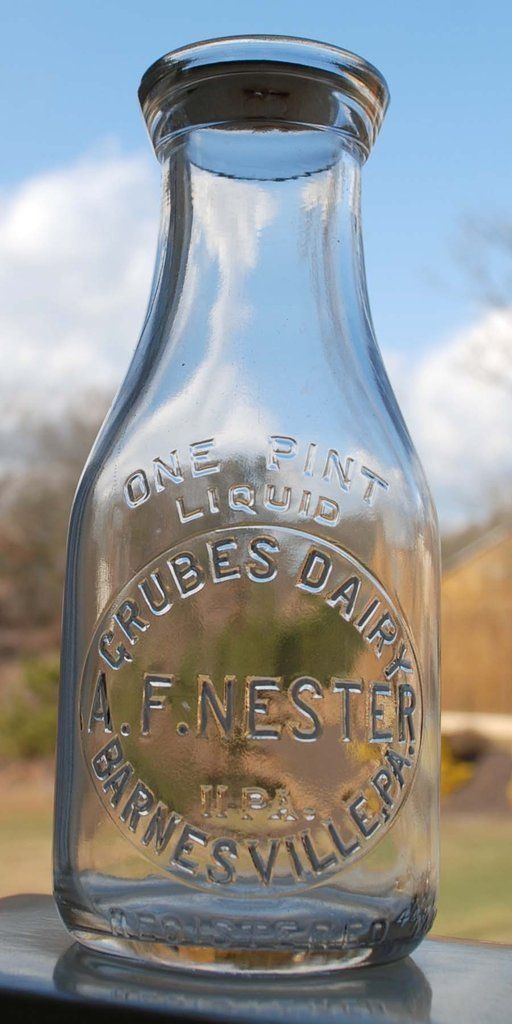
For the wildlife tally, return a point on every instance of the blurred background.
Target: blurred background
(79, 201)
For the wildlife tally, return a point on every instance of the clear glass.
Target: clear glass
(248, 739)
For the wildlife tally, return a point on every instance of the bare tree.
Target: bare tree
(484, 254)
(34, 512)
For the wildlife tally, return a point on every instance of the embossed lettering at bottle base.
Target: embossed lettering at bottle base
(248, 733)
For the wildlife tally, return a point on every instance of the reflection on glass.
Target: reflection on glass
(397, 992)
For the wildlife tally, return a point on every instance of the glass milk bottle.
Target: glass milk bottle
(248, 738)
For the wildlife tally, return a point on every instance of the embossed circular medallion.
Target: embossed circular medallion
(251, 710)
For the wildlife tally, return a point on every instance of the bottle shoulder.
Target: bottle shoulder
(156, 486)
(194, 446)
(326, 421)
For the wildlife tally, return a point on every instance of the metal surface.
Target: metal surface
(45, 976)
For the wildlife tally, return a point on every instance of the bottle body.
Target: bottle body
(248, 742)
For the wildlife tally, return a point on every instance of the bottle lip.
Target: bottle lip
(210, 58)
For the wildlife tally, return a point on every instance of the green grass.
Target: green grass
(476, 880)
(475, 899)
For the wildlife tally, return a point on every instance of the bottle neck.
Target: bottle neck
(259, 323)
(261, 240)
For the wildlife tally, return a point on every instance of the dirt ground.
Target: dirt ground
(25, 827)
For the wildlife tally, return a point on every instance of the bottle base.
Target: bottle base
(166, 929)
(207, 959)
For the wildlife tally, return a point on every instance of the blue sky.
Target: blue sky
(79, 196)
(69, 74)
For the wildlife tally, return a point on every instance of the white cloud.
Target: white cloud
(457, 401)
(76, 253)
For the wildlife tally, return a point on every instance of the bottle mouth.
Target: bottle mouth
(263, 82)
